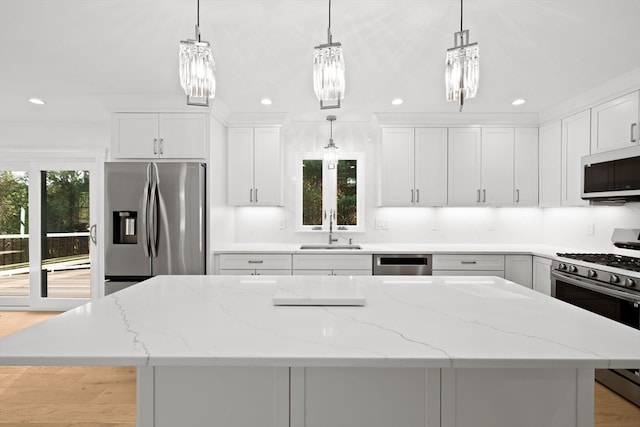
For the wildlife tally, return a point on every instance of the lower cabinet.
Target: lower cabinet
(332, 265)
(363, 396)
(255, 264)
(468, 265)
(542, 275)
(519, 269)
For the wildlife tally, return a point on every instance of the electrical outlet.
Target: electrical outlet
(591, 228)
(382, 225)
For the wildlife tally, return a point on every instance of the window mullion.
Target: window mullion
(329, 196)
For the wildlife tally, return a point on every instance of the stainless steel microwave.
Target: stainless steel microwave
(612, 175)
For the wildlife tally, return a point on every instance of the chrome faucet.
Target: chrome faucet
(331, 238)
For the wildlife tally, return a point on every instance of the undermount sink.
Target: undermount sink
(330, 247)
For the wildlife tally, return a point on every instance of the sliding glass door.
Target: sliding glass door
(48, 242)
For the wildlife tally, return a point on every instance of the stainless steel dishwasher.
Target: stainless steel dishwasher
(402, 264)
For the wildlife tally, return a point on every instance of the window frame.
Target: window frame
(329, 193)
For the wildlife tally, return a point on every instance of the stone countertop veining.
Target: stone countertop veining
(410, 321)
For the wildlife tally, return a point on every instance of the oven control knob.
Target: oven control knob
(630, 283)
(592, 274)
(614, 279)
(573, 269)
(562, 266)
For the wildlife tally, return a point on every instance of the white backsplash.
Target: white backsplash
(565, 227)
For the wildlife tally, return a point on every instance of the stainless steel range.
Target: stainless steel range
(609, 285)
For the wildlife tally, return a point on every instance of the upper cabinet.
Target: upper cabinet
(576, 142)
(614, 124)
(255, 167)
(413, 167)
(481, 167)
(550, 161)
(159, 135)
(526, 167)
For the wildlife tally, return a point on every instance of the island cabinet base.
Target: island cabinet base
(364, 396)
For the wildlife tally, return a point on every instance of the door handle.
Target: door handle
(92, 234)
(633, 125)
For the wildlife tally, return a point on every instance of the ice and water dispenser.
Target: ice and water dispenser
(125, 227)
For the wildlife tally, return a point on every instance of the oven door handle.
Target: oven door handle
(588, 284)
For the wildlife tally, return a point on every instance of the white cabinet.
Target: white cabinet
(255, 167)
(614, 124)
(481, 167)
(542, 275)
(413, 167)
(526, 167)
(332, 264)
(468, 265)
(159, 135)
(550, 164)
(576, 136)
(255, 264)
(464, 166)
(519, 269)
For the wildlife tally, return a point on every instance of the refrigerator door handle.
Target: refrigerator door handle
(145, 212)
(153, 205)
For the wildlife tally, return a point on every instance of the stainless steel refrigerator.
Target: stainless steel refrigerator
(155, 221)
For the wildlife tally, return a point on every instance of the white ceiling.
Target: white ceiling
(79, 55)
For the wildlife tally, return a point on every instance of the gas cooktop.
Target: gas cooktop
(610, 260)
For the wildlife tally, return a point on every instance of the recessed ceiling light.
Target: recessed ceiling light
(519, 101)
(36, 101)
(397, 101)
(265, 101)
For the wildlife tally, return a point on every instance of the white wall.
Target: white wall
(221, 216)
(55, 135)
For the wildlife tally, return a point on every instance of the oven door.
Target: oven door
(613, 304)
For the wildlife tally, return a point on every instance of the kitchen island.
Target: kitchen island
(421, 351)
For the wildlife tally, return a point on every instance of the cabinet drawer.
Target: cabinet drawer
(332, 262)
(255, 261)
(468, 262)
(498, 273)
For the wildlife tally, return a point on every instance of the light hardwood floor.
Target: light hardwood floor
(106, 396)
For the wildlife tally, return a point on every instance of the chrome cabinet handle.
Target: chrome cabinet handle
(478, 197)
(417, 196)
(412, 198)
(484, 196)
(633, 125)
(468, 262)
(517, 196)
(161, 145)
(256, 190)
(251, 195)
(155, 145)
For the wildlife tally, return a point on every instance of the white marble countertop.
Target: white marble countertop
(406, 321)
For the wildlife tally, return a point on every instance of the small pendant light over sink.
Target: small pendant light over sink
(331, 151)
(329, 71)
(197, 69)
(463, 67)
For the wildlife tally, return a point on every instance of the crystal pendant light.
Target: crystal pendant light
(329, 71)
(331, 151)
(197, 69)
(463, 67)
